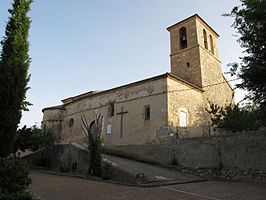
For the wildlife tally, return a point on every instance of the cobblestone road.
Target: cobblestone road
(52, 187)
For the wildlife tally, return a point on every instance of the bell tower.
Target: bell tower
(194, 55)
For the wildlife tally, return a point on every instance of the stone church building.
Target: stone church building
(150, 110)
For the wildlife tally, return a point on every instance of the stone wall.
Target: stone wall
(180, 57)
(200, 25)
(216, 88)
(61, 158)
(52, 118)
(181, 97)
(236, 156)
(133, 98)
(242, 150)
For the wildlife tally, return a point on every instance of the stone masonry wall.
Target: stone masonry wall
(184, 98)
(241, 155)
(52, 118)
(133, 99)
(181, 58)
(61, 158)
(236, 156)
(217, 89)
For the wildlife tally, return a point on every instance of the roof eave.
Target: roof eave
(196, 16)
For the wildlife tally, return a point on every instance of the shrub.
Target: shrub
(14, 179)
(34, 138)
(234, 118)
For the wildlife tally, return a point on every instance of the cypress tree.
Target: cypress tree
(14, 65)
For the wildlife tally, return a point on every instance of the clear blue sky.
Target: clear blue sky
(82, 45)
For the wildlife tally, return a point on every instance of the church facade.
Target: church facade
(150, 110)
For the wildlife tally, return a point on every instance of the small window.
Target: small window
(147, 112)
(71, 122)
(183, 119)
(205, 39)
(111, 109)
(183, 38)
(109, 129)
(211, 43)
(188, 64)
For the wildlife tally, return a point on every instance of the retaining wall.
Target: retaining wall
(68, 157)
(241, 155)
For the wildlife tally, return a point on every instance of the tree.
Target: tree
(34, 138)
(234, 118)
(250, 22)
(14, 65)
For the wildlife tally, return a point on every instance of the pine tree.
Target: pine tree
(14, 65)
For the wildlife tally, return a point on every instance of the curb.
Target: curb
(146, 185)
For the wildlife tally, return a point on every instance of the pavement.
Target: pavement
(53, 187)
(155, 175)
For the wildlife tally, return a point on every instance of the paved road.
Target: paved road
(52, 187)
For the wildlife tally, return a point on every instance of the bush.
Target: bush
(234, 118)
(14, 179)
(16, 196)
(34, 138)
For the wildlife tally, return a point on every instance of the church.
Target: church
(150, 110)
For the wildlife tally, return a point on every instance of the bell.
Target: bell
(184, 38)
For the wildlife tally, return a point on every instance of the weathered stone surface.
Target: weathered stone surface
(235, 156)
(61, 158)
(136, 130)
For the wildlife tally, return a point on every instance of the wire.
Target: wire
(210, 85)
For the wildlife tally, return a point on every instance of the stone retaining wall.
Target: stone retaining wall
(234, 156)
(68, 157)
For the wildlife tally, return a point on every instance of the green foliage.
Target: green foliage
(250, 23)
(28, 138)
(14, 179)
(233, 118)
(34, 138)
(94, 145)
(25, 104)
(14, 64)
(48, 137)
(96, 159)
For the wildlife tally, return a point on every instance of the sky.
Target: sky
(84, 45)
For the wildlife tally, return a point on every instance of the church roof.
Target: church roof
(166, 75)
(60, 107)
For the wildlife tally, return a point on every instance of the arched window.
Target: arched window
(111, 109)
(183, 38)
(211, 43)
(71, 122)
(205, 39)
